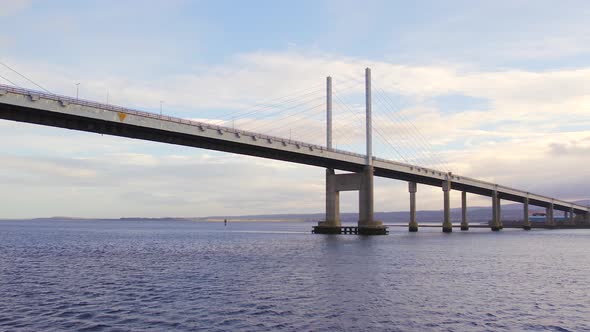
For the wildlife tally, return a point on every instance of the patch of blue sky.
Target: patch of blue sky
(255, 25)
(208, 31)
(573, 127)
(61, 30)
(543, 63)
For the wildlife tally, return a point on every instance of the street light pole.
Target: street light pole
(161, 102)
(77, 90)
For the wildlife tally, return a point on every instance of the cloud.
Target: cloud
(532, 133)
(142, 184)
(251, 78)
(570, 149)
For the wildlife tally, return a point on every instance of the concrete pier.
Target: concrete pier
(499, 206)
(495, 218)
(362, 181)
(549, 221)
(366, 212)
(464, 222)
(526, 222)
(571, 217)
(447, 225)
(413, 188)
(367, 223)
(332, 200)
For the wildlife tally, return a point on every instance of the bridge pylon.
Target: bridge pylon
(464, 221)
(495, 225)
(526, 225)
(413, 225)
(549, 219)
(361, 181)
(447, 225)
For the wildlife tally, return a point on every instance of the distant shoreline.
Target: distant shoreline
(250, 220)
(160, 219)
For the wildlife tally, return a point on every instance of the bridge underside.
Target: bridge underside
(466, 188)
(67, 121)
(87, 124)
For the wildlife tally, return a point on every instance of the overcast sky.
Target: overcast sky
(499, 90)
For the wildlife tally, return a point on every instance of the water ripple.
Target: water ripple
(154, 276)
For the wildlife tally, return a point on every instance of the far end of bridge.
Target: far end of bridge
(362, 182)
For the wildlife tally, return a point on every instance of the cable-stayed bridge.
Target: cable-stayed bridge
(43, 108)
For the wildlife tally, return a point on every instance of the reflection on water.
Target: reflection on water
(131, 275)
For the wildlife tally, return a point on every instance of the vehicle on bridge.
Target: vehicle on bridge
(541, 217)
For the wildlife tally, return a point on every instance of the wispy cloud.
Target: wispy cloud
(519, 60)
(520, 140)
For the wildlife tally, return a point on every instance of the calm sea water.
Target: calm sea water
(186, 276)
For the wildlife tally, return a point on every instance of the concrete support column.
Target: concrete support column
(549, 221)
(526, 225)
(447, 225)
(332, 200)
(366, 212)
(363, 182)
(464, 222)
(367, 223)
(495, 219)
(572, 216)
(588, 218)
(366, 196)
(413, 188)
(499, 206)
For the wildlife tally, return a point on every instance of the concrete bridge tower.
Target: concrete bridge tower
(361, 181)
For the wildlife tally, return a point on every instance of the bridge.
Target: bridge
(42, 108)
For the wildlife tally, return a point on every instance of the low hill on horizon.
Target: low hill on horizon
(474, 214)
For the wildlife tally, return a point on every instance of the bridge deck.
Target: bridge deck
(65, 112)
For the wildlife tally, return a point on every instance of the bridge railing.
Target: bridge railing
(115, 108)
(491, 185)
(507, 189)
